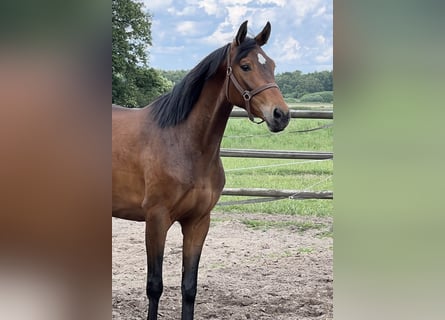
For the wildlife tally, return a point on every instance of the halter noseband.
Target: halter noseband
(246, 94)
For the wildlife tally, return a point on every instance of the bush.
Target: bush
(324, 96)
(290, 100)
(312, 97)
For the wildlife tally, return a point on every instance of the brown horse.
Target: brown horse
(166, 163)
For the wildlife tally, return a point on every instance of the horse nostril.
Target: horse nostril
(277, 113)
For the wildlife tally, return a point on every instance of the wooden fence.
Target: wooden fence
(275, 154)
(280, 154)
(291, 194)
(303, 114)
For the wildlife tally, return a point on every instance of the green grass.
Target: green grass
(279, 173)
(305, 250)
(241, 133)
(264, 225)
(326, 234)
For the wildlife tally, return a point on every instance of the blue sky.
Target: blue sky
(184, 32)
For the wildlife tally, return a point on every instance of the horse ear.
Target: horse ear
(263, 36)
(241, 35)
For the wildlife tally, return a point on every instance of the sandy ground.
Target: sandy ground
(272, 273)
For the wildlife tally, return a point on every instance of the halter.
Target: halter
(246, 94)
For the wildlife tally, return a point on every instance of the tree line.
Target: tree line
(297, 85)
(135, 84)
(292, 84)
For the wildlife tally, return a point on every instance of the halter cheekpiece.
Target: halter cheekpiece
(246, 94)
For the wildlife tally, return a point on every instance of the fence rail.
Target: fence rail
(307, 114)
(292, 194)
(280, 154)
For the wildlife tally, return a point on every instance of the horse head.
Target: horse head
(250, 80)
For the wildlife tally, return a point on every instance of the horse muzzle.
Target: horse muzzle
(278, 119)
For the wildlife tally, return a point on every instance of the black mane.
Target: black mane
(174, 107)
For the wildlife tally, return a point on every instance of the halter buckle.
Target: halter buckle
(246, 95)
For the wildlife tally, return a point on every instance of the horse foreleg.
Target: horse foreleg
(155, 235)
(195, 232)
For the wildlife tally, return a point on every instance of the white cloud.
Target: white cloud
(186, 27)
(323, 67)
(226, 30)
(325, 56)
(168, 49)
(236, 15)
(301, 9)
(320, 39)
(234, 2)
(220, 36)
(259, 17)
(187, 11)
(190, 28)
(301, 30)
(280, 3)
(290, 50)
(321, 11)
(154, 5)
(211, 7)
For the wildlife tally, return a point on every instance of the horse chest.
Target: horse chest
(205, 189)
(181, 192)
(200, 199)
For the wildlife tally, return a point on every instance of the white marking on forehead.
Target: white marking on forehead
(261, 58)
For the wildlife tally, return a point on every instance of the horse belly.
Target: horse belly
(128, 208)
(127, 197)
(133, 214)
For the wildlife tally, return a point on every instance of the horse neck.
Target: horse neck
(210, 114)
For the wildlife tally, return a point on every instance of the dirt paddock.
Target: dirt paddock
(282, 271)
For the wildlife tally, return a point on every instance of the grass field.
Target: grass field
(308, 175)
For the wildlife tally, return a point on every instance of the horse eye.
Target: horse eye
(245, 67)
